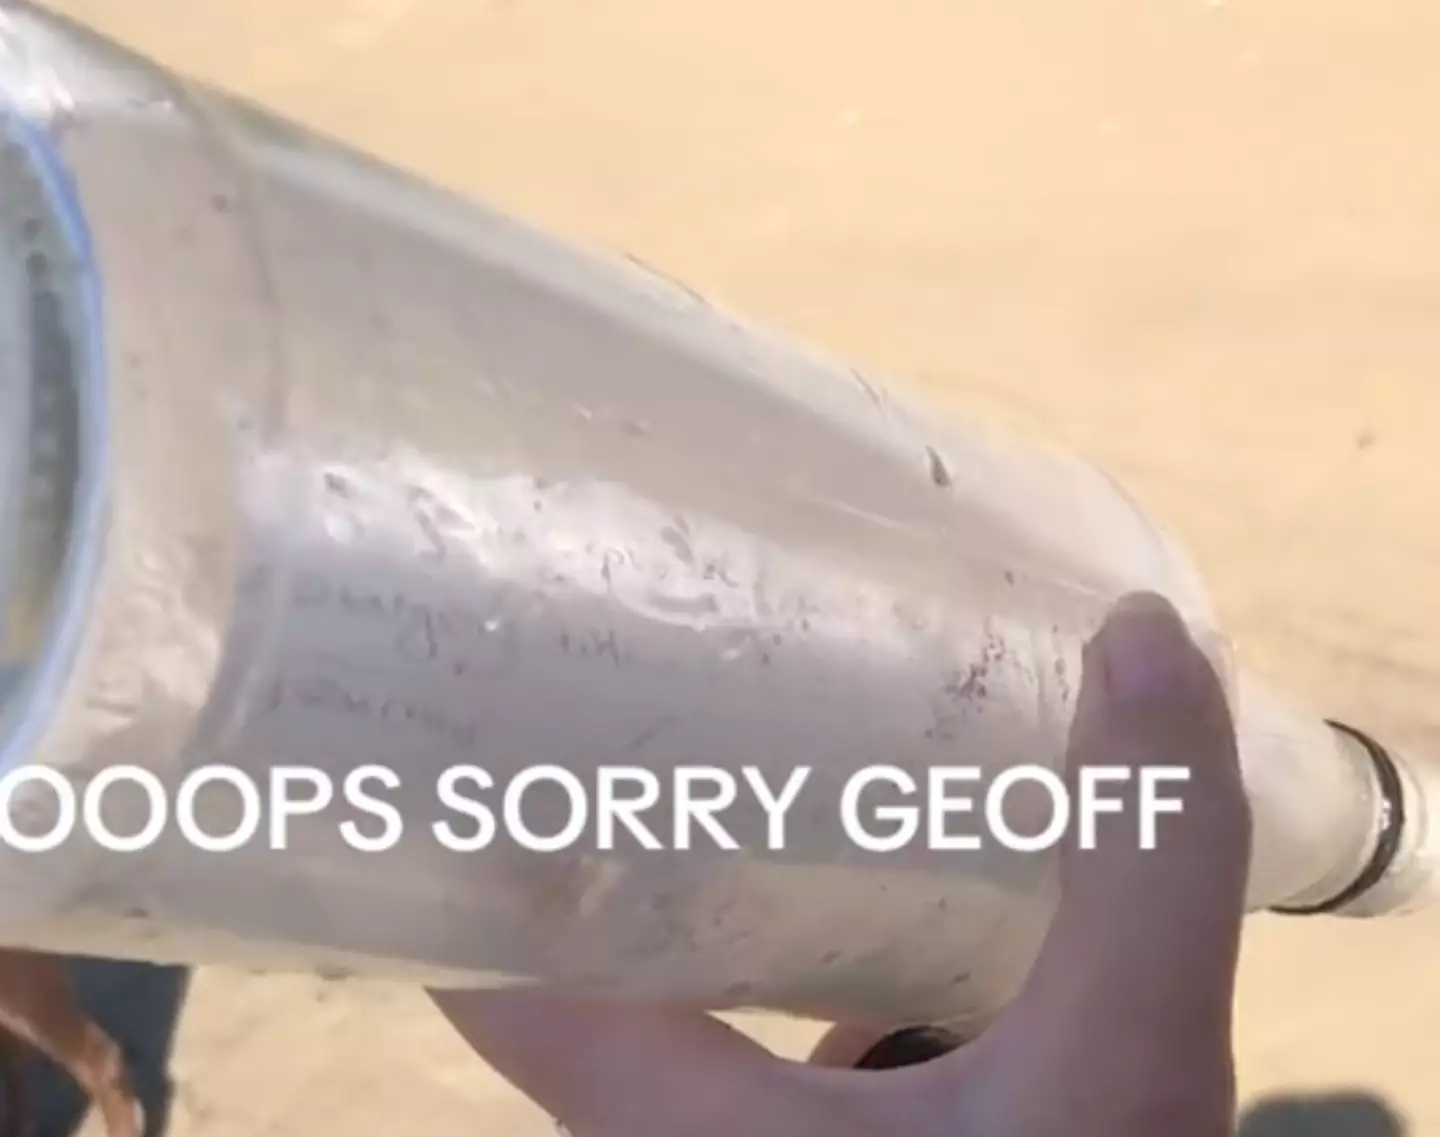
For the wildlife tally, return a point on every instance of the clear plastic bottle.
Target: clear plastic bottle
(321, 466)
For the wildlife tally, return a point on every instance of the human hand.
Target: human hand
(1123, 1028)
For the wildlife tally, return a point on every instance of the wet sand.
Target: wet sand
(1193, 241)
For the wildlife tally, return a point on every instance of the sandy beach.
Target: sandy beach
(1194, 241)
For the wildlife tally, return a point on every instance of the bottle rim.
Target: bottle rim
(52, 421)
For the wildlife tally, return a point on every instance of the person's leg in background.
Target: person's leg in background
(138, 1005)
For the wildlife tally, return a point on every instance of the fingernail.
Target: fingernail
(1145, 647)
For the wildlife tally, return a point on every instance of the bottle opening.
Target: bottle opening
(49, 420)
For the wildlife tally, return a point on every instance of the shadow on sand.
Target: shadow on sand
(1345, 1113)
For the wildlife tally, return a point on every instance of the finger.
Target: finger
(620, 1070)
(842, 1047)
(1147, 940)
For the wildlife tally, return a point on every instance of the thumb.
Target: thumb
(613, 1069)
(1145, 941)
